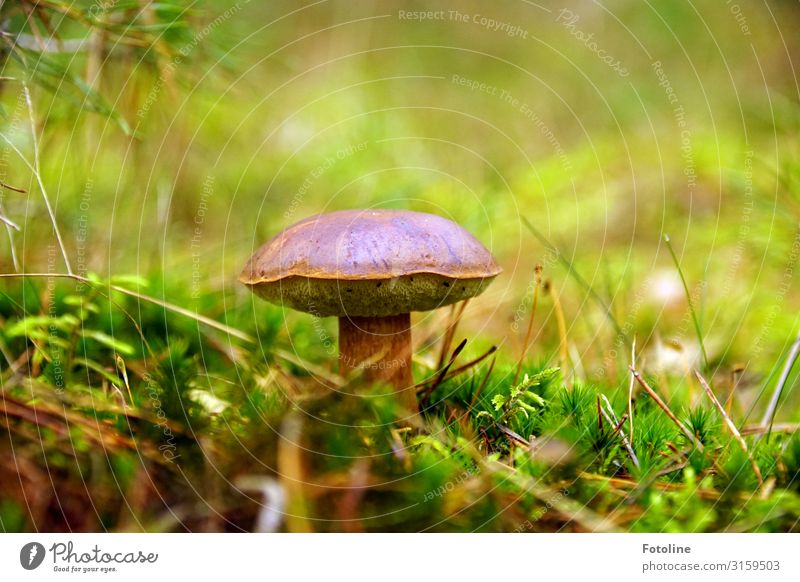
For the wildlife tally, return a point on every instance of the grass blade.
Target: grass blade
(577, 276)
(772, 407)
(698, 329)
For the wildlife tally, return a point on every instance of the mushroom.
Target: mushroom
(371, 269)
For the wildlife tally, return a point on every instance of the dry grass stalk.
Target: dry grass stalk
(537, 273)
(730, 424)
(663, 406)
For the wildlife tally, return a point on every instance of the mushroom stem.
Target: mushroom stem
(381, 347)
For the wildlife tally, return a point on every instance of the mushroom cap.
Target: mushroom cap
(370, 263)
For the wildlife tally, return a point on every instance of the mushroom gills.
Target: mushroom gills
(370, 297)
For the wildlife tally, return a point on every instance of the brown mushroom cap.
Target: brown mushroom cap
(370, 263)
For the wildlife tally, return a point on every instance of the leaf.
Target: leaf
(130, 281)
(543, 377)
(96, 367)
(538, 400)
(109, 341)
(208, 401)
(41, 323)
(499, 401)
(85, 307)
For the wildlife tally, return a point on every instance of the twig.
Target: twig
(447, 338)
(571, 511)
(737, 370)
(10, 226)
(12, 188)
(471, 363)
(776, 427)
(663, 406)
(166, 305)
(625, 442)
(484, 382)
(600, 416)
(9, 222)
(513, 435)
(440, 378)
(11, 245)
(36, 36)
(620, 424)
(455, 318)
(772, 407)
(420, 386)
(37, 172)
(630, 386)
(639, 488)
(537, 273)
(731, 425)
(698, 329)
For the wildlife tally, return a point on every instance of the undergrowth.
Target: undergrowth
(181, 429)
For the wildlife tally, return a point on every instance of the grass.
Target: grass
(144, 389)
